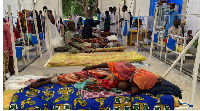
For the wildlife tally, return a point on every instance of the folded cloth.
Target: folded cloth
(88, 95)
(167, 88)
(144, 79)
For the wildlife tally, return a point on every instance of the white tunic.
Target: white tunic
(126, 16)
(112, 20)
(101, 21)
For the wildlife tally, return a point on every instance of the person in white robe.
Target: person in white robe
(100, 17)
(112, 20)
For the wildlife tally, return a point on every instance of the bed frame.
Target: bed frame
(178, 41)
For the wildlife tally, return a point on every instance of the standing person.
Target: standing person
(43, 21)
(23, 21)
(7, 52)
(100, 16)
(80, 23)
(38, 22)
(125, 17)
(30, 23)
(61, 27)
(107, 22)
(112, 20)
(170, 20)
(116, 20)
(131, 19)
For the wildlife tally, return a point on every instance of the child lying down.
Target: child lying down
(120, 75)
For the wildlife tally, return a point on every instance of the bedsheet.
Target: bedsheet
(66, 97)
(88, 59)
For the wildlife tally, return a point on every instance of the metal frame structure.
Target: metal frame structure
(177, 38)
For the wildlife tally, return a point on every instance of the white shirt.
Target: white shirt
(126, 16)
(112, 18)
(101, 21)
(101, 16)
(116, 21)
(175, 31)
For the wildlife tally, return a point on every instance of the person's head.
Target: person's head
(189, 32)
(44, 8)
(40, 12)
(111, 9)
(80, 19)
(107, 13)
(98, 11)
(124, 8)
(114, 9)
(71, 25)
(23, 11)
(123, 85)
(172, 6)
(177, 23)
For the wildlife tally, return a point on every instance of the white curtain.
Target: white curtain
(55, 38)
(193, 22)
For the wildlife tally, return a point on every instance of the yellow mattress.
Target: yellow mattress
(7, 96)
(88, 59)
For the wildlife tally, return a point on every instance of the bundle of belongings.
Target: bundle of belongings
(107, 86)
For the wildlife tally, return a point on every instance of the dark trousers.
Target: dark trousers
(11, 66)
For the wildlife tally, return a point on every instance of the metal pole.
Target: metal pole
(195, 71)
(138, 29)
(154, 26)
(183, 52)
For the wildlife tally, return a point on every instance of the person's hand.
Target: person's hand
(87, 68)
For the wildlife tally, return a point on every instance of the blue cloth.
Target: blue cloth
(63, 97)
(155, 38)
(171, 43)
(81, 85)
(170, 22)
(125, 29)
(98, 16)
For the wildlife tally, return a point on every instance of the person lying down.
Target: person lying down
(106, 76)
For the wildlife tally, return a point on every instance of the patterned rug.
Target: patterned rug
(88, 59)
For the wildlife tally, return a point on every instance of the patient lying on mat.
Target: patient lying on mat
(121, 75)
